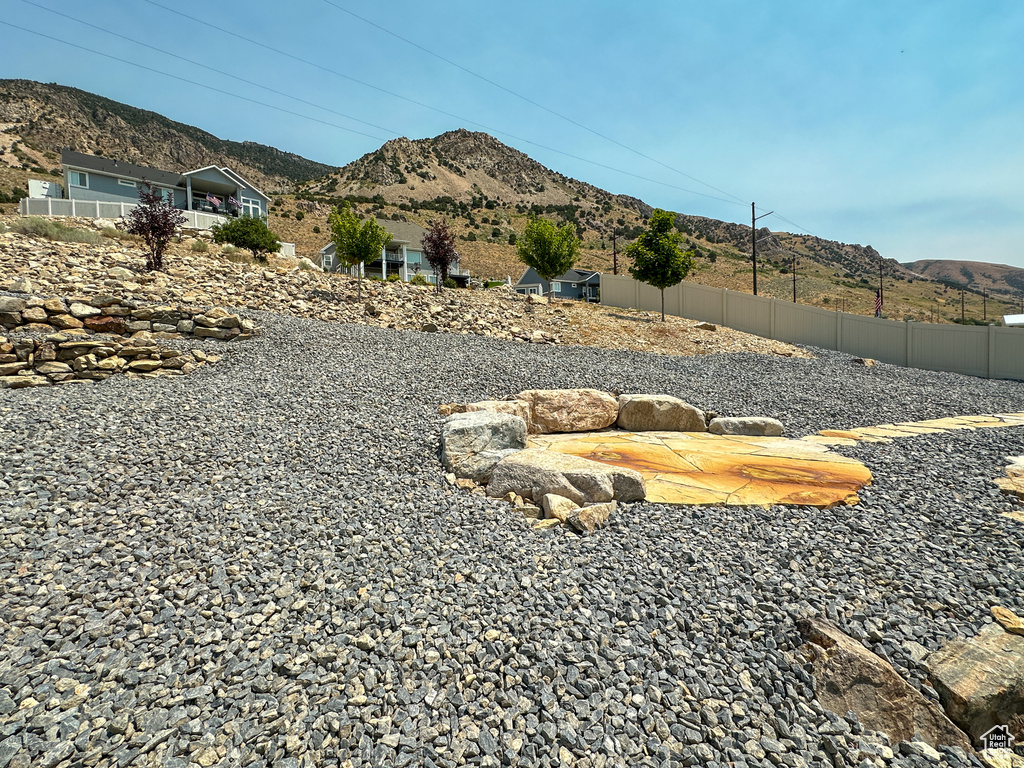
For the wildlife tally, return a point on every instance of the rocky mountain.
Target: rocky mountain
(977, 275)
(37, 120)
(464, 166)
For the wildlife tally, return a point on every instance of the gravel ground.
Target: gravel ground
(260, 564)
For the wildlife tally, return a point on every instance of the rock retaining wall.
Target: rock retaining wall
(109, 314)
(61, 341)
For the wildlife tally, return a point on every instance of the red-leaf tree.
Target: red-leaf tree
(156, 221)
(439, 250)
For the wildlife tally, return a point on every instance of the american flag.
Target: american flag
(211, 199)
(878, 302)
(232, 202)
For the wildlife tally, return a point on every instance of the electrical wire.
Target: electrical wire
(222, 72)
(190, 82)
(462, 120)
(528, 100)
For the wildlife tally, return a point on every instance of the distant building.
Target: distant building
(580, 284)
(1013, 321)
(402, 256)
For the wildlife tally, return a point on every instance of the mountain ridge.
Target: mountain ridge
(48, 117)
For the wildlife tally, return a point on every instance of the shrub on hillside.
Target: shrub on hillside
(300, 215)
(418, 280)
(199, 246)
(249, 233)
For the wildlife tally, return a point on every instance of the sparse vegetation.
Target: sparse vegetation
(199, 246)
(48, 229)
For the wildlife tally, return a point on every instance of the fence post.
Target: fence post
(682, 312)
(839, 331)
(725, 306)
(910, 345)
(771, 318)
(991, 351)
(636, 294)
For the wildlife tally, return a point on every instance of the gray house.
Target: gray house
(210, 189)
(403, 256)
(580, 284)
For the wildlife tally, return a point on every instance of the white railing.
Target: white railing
(101, 209)
(988, 351)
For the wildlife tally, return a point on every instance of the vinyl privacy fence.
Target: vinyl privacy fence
(101, 209)
(987, 351)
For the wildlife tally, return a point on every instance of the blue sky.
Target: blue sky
(894, 124)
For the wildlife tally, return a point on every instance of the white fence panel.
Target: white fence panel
(800, 324)
(648, 298)
(1007, 347)
(874, 337)
(701, 302)
(750, 314)
(956, 348)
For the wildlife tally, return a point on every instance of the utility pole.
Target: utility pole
(881, 289)
(753, 240)
(615, 252)
(961, 305)
(794, 277)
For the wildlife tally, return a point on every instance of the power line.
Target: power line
(461, 119)
(190, 82)
(226, 74)
(528, 100)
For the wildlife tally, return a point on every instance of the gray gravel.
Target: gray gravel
(260, 564)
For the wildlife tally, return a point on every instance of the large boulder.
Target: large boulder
(658, 413)
(981, 681)
(754, 426)
(847, 676)
(535, 472)
(472, 443)
(569, 410)
(518, 408)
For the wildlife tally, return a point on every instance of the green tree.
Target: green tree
(657, 259)
(250, 233)
(550, 250)
(356, 241)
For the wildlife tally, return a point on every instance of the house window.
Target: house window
(556, 287)
(78, 179)
(126, 183)
(251, 207)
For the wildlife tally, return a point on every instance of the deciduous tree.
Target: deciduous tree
(156, 221)
(550, 250)
(250, 233)
(356, 241)
(657, 259)
(439, 250)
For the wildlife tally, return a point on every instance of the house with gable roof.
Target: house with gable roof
(211, 189)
